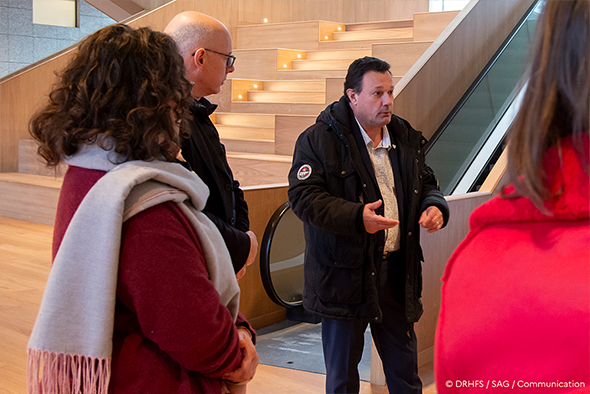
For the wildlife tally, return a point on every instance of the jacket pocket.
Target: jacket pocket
(343, 180)
(340, 271)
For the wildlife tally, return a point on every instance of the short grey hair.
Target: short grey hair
(192, 36)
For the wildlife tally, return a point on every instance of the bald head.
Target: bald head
(192, 30)
(206, 47)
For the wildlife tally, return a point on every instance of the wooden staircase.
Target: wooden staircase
(273, 96)
(376, 34)
(300, 82)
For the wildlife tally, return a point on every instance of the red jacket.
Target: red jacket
(515, 313)
(171, 333)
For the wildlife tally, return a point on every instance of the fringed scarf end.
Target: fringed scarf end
(52, 372)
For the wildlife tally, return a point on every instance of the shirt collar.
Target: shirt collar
(204, 105)
(384, 143)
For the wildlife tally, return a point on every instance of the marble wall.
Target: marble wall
(22, 42)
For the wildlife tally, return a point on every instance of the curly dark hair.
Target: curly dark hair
(124, 83)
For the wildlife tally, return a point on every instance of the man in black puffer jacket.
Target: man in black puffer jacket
(360, 185)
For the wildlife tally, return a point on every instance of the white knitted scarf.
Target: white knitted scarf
(70, 348)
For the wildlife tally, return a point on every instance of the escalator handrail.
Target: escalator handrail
(265, 248)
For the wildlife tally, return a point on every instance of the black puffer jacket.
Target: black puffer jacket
(330, 180)
(226, 206)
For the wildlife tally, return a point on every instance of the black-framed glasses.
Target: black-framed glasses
(231, 59)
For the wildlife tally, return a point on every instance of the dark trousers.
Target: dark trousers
(395, 340)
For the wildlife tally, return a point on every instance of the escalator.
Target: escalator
(464, 148)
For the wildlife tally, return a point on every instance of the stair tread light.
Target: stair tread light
(240, 96)
(255, 86)
(284, 66)
(265, 20)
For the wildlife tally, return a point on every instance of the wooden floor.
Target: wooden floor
(25, 255)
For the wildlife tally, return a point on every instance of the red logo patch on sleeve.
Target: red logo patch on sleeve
(304, 172)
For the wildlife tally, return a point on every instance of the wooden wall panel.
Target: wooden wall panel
(401, 56)
(254, 303)
(256, 63)
(20, 98)
(445, 71)
(429, 25)
(334, 89)
(437, 248)
(347, 11)
(287, 130)
(295, 35)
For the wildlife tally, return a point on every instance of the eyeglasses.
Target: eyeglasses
(230, 58)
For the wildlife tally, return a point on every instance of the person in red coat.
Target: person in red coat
(142, 296)
(515, 312)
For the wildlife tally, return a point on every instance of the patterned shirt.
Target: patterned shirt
(384, 174)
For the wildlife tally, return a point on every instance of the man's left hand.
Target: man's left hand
(431, 219)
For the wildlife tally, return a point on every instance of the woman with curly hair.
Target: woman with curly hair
(141, 297)
(515, 313)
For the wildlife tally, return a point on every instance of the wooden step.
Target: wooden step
(263, 65)
(372, 34)
(278, 91)
(29, 162)
(253, 146)
(295, 86)
(286, 97)
(397, 24)
(259, 169)
(337, 54)
(29, 197)
(277, 108)
(359, 44)
(249, 133)
(236, 119)
(284, 133)
(310, 74)
(333, 64)
(301, 35)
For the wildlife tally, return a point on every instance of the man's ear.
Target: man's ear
(351, 95)
(199, 58)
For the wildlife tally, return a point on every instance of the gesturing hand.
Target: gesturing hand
(431, 219)
(374, 222)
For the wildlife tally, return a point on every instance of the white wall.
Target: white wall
(447, 5)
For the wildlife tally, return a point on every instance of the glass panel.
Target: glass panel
(455, 148)
(55, 12)
(447, 5)
(286, 258)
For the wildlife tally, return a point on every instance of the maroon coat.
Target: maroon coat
(171, 335)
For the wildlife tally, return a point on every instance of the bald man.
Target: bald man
(206, 47)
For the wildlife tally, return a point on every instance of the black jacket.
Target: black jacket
(226, 206)
(330, 180)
